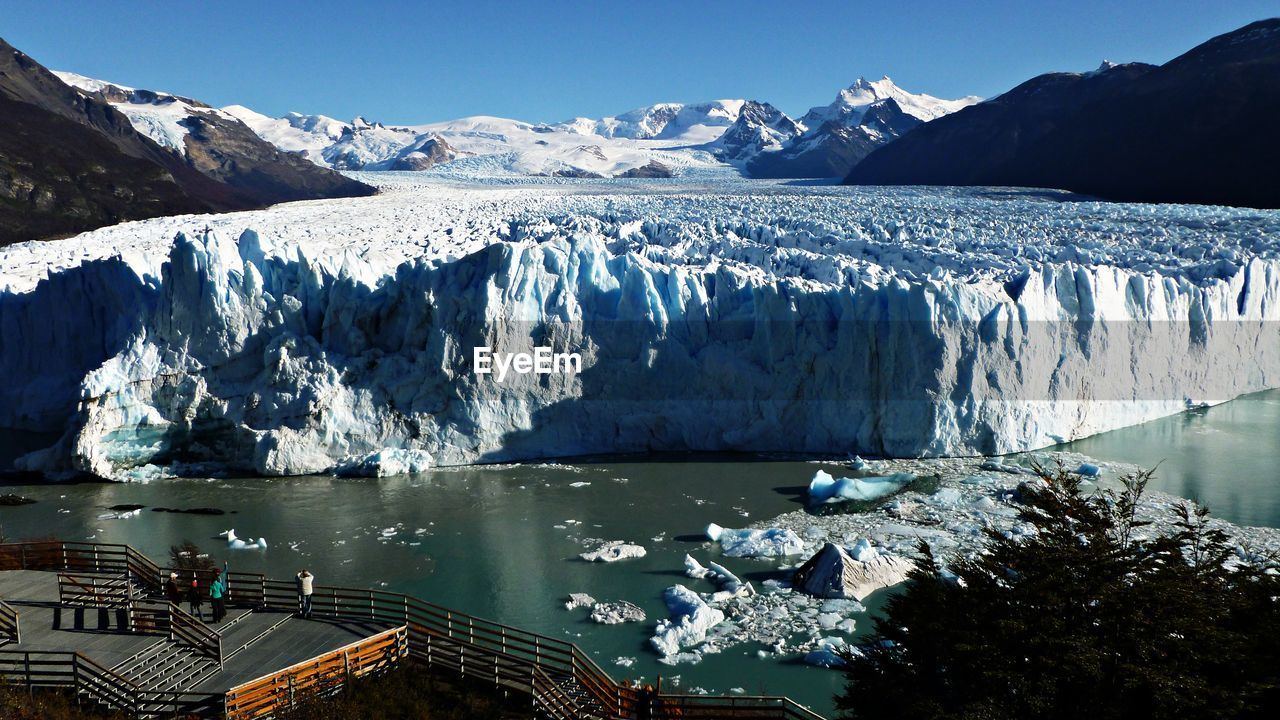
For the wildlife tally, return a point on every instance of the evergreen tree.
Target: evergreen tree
(1094, 615)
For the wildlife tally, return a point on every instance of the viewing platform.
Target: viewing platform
(92, 619)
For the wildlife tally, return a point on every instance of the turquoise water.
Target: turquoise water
(490, 544)
(1226, 457)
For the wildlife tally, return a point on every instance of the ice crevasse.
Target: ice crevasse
(240, 357)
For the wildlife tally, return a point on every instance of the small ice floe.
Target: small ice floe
(769, 542)
(945, 498)
(617, 612)
(1088, 470)
(579, 600)
(997, 464)
(579, 484)
(613, 551)
(624, 661)
(827, 653)
(691, 618)
(690, 658)
(824, 488)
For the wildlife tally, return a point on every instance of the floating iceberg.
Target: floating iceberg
(690, 620)
(727, 584)
(614, 551)
(579, 600)
(836, 573)
(770, 542)
(617, 612)
(825, 489)
(236, 543)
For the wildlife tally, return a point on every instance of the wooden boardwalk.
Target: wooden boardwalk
(255, 642)
(89, 618)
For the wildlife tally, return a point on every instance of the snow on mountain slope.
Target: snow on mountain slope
(853, 101)
(718, 316)
(158, 115)
(295, 132)
(521, 148)
(692, 124)
(665, 138)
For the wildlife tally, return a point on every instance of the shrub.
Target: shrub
(410, 693)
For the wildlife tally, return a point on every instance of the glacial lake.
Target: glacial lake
(498, 541)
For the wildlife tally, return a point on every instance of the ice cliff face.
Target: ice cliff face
(725, 326)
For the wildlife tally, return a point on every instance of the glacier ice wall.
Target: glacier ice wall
(238, 358)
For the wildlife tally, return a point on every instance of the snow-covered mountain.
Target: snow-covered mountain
(852, 103)
(759, 127)
(215, 142)
(307, 135)
(160, 116)
(655, 140)
(835, 137)
(77, 153)
(693, 124)
(501, 146)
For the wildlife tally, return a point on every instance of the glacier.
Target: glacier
(710, 314)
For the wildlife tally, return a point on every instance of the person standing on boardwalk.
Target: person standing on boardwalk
(171, 591)
(305, 580)
(194, 599)
(218, 595)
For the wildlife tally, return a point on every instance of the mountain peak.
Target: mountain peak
(852, 102)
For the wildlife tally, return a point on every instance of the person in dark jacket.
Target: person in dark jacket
(171, 591)
(195, 599)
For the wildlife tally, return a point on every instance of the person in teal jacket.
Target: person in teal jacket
(218, 595)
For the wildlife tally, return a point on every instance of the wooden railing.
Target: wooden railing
(318, 677)
(94, 590)
(83, 557)
(9, 628)
(160, 617)
(189, 631)
(443, 639)
(83, 676)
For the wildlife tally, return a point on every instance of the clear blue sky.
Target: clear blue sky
(407, 62)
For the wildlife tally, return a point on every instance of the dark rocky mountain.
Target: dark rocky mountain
(652, 169)
(424, 153)
(69, 162)
(830, 139)
(1200, 128)
(834, 147)
(758, 127)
